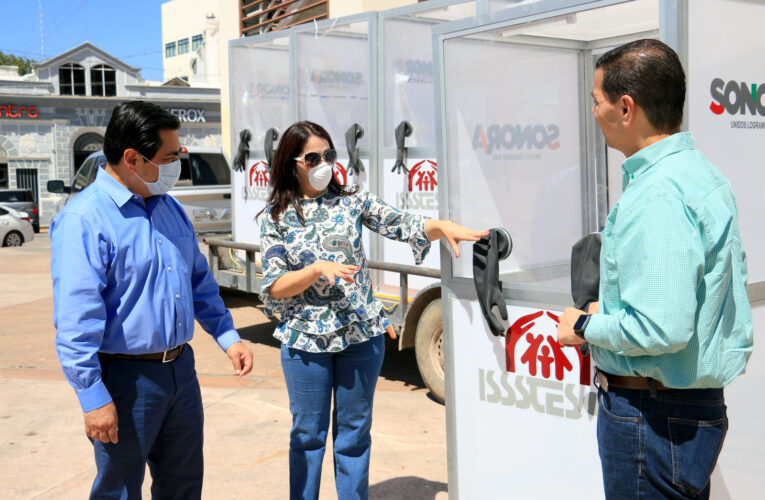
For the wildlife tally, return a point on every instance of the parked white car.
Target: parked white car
(15, 227)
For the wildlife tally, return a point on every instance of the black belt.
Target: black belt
(607, 380)
(165, 356)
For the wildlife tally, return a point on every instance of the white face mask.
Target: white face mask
(168, 176)
(320, 175)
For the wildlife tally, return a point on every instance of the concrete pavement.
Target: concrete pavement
(44, 453)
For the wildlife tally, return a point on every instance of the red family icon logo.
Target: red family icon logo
(341, 175)
(257, 182)
(422, 177)
(542, 354)
(540, 374)
(259, 175)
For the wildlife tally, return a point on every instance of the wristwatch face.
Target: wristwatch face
(581, 324)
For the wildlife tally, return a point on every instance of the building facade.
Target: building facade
(54, 117)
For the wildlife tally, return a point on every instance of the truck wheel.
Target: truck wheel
(428, 349)
(13, 239)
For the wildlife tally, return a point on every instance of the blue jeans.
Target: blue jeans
(660, 447)
(160, 418)
(312, 379)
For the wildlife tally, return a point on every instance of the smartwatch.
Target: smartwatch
(581, 325)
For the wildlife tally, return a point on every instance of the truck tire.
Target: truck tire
(428, 349)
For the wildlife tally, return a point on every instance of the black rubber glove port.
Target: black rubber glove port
(403, 130)
(585, 275)
(243, 151)
(268, 146)
(487, 252)
(352, 135)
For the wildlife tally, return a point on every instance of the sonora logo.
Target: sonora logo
(736, 97)
(516, 136)
(337, 77)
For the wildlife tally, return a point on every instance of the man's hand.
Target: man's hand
(241, 358)
(101, 423)
(566, 335)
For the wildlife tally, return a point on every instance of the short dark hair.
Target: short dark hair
(136, 125)
(285, 186)
(650, 72)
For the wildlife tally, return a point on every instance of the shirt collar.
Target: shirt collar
(647, 157)
(116, 191)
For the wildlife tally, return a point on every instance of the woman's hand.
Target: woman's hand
(332, 270)
(453, 233)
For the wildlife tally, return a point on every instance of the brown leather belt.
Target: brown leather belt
(607, 380)
(165, 357)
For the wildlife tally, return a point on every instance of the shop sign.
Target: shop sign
(189, 115)
(12, 111)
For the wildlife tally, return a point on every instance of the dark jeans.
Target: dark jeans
(660, 447)
(159, 411)
(312, 380)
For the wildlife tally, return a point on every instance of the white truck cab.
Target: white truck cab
(204, 188)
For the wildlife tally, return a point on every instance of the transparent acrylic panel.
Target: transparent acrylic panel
(261, 89)
(513, 139)
(333, 79)
(408, 72)
(726, 107)
(261, 100)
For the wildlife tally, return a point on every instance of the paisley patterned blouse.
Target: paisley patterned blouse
(328, 316)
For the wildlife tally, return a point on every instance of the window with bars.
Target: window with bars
(169, 49)
(196, 42)
(183, 46)
(71, 79)
(103, 81)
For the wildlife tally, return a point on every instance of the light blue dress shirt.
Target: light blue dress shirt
(673, 302)
(128, 277)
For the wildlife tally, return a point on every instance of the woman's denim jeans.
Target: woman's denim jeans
(312, 379)
(664, 446)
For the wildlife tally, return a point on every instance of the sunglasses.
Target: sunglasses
(312, 159)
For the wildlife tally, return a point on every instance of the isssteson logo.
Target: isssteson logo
(541, 375)
(739, 99)
(423, 188)
(257, 182)
(510, 137)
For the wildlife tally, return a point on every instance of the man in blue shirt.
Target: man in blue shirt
(128, 281)
(673, 324)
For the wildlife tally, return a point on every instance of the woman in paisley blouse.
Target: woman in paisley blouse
(315, 276)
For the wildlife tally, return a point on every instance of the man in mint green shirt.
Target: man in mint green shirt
(673, 325)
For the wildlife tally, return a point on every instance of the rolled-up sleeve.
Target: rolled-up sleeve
(79, 263)
(274, 263)
(396, 225)
(660, 259)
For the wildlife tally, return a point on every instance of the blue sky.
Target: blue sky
(130, 30)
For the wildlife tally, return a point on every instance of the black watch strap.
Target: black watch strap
(581, 325)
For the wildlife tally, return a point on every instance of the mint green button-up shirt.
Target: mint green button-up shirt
(673, 303)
